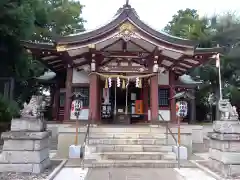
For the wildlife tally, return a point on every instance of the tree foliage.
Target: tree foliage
(222, 30)
(35, 20)
(60, 18)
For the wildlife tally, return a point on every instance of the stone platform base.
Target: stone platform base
(26, 168)
(26, 147)
(227, 170)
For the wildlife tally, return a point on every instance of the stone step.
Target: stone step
(127, 141)
(127, 129)
(136, 155)
(130, 148)
(127, 135)
(129, 163)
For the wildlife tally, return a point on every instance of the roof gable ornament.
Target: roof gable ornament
(127, 32)
(61, 48)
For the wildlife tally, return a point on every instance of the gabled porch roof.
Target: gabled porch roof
(125, 36)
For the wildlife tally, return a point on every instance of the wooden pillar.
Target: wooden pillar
(193, 108)
(55, 105)
(52, 99)
(172, 100)
(94, 97)
(145, 99)
(52, 103)
(154, 99)
(68, 87)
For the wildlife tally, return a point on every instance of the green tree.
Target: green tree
(222, 30)
(187, 24)
(36, 20)
(59, 18)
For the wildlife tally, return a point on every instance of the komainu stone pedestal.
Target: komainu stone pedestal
(224, 149)
(26, 147)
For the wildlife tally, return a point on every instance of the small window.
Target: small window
(85, 92)
(62, 99)
(163, 97)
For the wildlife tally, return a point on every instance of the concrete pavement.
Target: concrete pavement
(133, 174)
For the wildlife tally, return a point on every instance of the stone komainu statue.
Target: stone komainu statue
(35, 109)
(228, 112)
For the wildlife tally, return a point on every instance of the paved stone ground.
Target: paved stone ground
(72, 174)
(201, 148)
(133, 174)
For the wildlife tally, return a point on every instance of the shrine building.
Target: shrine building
(127, 71)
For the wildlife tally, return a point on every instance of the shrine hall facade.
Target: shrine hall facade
(125, 70)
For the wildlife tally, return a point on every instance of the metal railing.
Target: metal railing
(168, 130)
(85, 142)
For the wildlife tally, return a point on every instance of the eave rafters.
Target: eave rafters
(73, 50)
(183, 63)
(58, 61)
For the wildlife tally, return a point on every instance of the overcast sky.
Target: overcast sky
(154, 12)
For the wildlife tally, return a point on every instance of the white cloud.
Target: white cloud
(154, 12)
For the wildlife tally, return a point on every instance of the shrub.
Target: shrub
(8, 109)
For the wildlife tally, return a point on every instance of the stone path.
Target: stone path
(132, 174)
(72, 174)
(204, 156)
(194, 174)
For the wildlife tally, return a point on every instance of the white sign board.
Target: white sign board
(76, 108)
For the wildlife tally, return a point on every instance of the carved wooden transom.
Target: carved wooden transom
(124, 65)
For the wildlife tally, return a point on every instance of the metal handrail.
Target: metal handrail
(174, 138)
(169, 130)
(86, 141)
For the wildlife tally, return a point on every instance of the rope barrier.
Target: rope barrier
(122, 76)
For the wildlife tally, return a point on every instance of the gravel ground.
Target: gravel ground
(29, 176)
(206, 165)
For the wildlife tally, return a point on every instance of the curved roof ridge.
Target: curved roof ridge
(96, 28)
(166, 34)
(125, 13)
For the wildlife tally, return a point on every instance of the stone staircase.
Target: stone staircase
(130, 147)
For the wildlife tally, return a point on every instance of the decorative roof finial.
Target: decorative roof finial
(127, 3)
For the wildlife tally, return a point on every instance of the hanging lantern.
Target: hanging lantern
(137, 82)
(109, 82)
(155, 68)
(118, 82)
(106, 83)
(181, 109)
(123, 84)
(93, 65)
(140, 83)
